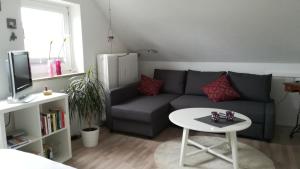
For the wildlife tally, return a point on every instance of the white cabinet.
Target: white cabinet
(116, 70)
(27, 117)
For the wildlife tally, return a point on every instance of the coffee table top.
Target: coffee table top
(186, 118)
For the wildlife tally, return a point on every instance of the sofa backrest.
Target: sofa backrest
(251, 86)
(196, 79)
(174, 80)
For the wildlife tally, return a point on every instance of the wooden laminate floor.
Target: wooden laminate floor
(119, 151)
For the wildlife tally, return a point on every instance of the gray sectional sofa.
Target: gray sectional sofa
(148, 115)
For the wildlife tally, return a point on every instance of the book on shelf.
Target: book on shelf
(15, 133)
(45, 121)
(16, 138)
(51, 121)
(17, 141)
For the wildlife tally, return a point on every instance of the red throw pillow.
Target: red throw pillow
(220, 90)
(149, 86)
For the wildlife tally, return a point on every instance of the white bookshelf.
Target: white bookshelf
(26, 116)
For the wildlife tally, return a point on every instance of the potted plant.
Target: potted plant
(86, 103)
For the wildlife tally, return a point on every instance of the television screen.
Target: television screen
(19, 62)
(21, 71)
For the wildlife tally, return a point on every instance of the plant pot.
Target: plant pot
(90, 137)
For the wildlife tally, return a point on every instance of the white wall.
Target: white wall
(94, 27)
(286, 107)
(9, 9)
(94, 30)
(210, 30)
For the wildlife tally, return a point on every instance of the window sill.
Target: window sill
(57, 77)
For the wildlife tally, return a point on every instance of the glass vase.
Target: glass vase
(50, 68)
(58, 66)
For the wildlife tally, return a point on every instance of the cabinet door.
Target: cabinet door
(128, 69)
(108, 70)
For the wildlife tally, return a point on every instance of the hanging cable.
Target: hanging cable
(110, 32)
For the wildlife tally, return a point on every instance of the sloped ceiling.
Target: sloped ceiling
(209, 30)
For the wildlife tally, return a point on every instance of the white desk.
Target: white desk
(18, 159)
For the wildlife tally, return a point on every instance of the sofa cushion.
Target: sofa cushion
(143, 108)
(149, 86)
(174, 80)
(196, 79)
(254, 110)
(220, 90)
(251, 86)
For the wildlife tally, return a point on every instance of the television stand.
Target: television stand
(28, 98)
(22, 99)
(32, 118)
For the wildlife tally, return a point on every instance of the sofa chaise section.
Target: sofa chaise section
(142, 115)
(132, 112)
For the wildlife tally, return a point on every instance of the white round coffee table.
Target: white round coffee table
(186, 118)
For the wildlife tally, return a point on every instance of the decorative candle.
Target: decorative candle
(215, 116)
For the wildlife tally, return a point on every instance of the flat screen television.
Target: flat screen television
(19, 72)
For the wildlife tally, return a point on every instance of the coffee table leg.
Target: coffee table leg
(228, 139)
(234, 151)
(185, 137)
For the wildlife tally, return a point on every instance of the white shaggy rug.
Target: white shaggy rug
(167, 156)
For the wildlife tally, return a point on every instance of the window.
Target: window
(47, 35)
